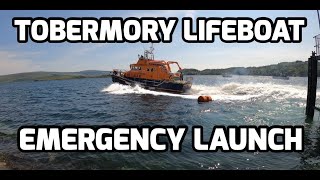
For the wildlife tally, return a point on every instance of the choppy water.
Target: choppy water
(240, 100)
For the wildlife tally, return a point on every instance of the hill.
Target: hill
(43, 76)
(297, 68)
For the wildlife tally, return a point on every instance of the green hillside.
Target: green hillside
(44, 76)
(297, 68)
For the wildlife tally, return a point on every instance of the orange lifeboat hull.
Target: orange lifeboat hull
(157, 85)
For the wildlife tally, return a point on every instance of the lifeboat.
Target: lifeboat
(153, 75)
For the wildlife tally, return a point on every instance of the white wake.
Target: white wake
(230, 91)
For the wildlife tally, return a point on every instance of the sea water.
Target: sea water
(238, 100)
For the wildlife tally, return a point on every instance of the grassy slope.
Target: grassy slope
(43, 76)
(297, 68)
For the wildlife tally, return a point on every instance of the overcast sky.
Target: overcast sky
(27, 57)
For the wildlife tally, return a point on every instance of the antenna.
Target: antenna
(318, 18)
(151, 49)
(317, 38)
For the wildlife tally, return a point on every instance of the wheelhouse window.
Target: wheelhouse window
(164, 69)
(135, 68)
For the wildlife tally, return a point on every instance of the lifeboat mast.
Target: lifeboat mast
(149, 52)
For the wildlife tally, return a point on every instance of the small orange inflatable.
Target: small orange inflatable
(204, 98)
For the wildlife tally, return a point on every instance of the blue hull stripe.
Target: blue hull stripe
(154, 85)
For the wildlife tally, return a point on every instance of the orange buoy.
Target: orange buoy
(201, 99)
(204, 98)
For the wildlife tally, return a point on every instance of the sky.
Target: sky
(69, 57)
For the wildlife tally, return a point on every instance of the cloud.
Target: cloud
(75, 57)
(190, 13)
(13, 62)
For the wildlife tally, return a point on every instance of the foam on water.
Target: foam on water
(116, 88)
(229, 91)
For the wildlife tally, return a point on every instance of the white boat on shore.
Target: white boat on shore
(226, 75)
(281, 77)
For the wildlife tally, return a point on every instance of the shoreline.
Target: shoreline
(42, 80)
(3, 166)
